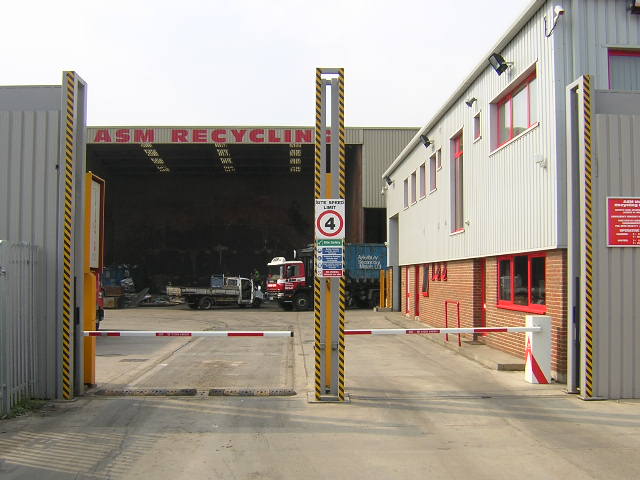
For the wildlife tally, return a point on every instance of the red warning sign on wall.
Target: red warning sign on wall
(623, 218)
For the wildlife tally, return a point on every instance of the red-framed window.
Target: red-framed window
(413, 187)
(521, 282)
(425, 280)
(457, 184)
(517, 110)
(433, 184)
(624, 70)
(423, 180)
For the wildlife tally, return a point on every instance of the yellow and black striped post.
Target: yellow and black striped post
(329, 293)
(588, 237)
(67, 236)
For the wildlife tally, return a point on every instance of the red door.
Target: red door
(416, 290)
(407, 289)
(483, 293)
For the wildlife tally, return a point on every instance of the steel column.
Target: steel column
(329, 293)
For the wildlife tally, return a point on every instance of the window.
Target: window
(517, 110)
(521, 282)
(624, 69)
(457, 215)
(425, 280)
(438, 160)
(423, 180)
(406, 192)
(476, 126)
(432, 172)
(413, 187)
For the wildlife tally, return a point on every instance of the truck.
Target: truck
(221, 291)
(290, 282)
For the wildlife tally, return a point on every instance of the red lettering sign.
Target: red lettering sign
(623, 221)
(199, 136)
(256, 135)
(238, 135)
(303, 136)
(179, 136)
(102, 136)
(144, 136)
(219, 136)
(123, 135)
(273, 136)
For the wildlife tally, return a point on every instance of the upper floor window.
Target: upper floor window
(457, 184)
(432, 172)
(624, 69)
(405, 186)
(423, 180)
(517, 110)
(413, 187)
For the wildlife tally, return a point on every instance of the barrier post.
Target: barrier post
(538, 350)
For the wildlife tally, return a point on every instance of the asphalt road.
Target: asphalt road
(417, 410)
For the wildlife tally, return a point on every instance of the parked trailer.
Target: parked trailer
(223, 291)
(290, 282)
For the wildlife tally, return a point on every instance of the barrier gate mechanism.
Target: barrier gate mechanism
(329, 193)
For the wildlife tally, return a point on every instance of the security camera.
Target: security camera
(558, 10)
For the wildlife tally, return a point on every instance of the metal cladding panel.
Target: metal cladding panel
(511, 193)
(616, 304)
(29, 158)
(596, 26)
(380, 148)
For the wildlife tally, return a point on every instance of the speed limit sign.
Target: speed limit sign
(329, 218)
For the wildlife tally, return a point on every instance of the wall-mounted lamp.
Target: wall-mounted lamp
(498, 63)
(425, 141)
(388, 180)
(557, 11)
(469, 101)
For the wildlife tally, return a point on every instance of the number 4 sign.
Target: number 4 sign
(329, 218)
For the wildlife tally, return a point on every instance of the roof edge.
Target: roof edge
(528, 13)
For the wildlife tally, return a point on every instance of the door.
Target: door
(416, 290)
(483, 293)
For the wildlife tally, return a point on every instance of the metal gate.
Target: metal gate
(21, 311)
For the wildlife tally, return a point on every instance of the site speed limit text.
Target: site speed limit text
(329, 218)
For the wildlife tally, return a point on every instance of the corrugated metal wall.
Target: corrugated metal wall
(22, 314)
(510, 201)
(616, 271)
(29, 152)
(596, 26)
(380, 148)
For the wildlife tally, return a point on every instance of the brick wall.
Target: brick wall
(464, 285)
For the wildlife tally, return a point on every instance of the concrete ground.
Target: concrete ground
(417, 410)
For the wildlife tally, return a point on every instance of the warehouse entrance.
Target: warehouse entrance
(183, 203)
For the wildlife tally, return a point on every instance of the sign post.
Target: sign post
(329, 283)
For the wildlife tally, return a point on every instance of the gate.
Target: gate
(21, 307)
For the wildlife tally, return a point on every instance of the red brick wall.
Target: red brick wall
(463, 284)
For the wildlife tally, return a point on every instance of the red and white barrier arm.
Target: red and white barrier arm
(425, 331)
(147, 333)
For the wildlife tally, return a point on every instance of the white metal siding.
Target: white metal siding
(29, 153)
(615, 281)
(596, 26)
(510, 202)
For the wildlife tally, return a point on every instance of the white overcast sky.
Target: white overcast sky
(251, 62)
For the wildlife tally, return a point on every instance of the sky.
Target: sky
(251, 62)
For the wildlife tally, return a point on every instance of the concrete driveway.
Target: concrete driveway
(417, 410)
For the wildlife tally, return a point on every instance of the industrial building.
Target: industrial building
(179, 203)
(498, 205)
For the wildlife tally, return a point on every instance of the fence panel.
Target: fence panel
(21, 309)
